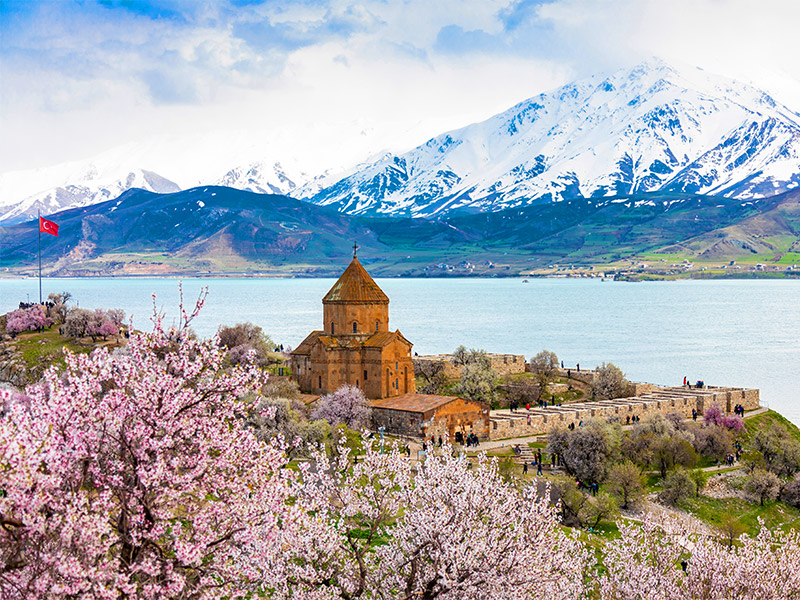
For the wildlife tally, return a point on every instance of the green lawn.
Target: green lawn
(764, 421)
(46, 347)
(714, 510)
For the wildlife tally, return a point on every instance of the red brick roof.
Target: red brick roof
(419, 403)
(376, 340)
(384, 338)
(356, 285)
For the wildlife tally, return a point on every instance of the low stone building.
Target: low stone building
(426, 415)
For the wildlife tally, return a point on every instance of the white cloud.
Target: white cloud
(388, 73)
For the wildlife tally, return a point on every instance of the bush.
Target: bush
(246, 343)
(763, 485)
(626, 482)
(81, 322)
(346, 406)
(609, 382)
(28, 319)
(678, 486)
(790, 493)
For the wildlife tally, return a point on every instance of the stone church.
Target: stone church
(355, 345)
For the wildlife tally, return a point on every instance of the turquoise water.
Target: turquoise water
(736, 332)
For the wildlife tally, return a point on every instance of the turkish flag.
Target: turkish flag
(46, 226)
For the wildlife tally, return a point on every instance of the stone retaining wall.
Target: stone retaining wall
(503, 364)
(681, 400)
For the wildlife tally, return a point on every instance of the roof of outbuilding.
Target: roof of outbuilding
(356, 285)
(418, 403)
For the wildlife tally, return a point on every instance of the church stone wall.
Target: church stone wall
(364, 315)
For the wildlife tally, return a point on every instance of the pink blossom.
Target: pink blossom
(125, 475)
(28, 319)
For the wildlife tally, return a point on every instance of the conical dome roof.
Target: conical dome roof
(355, 285)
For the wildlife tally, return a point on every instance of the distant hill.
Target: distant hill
(217, 230)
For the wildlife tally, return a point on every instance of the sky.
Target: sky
(329, 81)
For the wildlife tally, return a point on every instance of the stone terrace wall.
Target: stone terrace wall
(505, 424)
(504, 364)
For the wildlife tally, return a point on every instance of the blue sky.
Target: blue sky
(79, 77)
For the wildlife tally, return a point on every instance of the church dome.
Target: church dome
(355, 286)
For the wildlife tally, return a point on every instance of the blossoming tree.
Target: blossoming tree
(133, 477)
(450, 531)
(656, 561)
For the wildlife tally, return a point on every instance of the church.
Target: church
(355, 345)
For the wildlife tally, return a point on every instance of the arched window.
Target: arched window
(355, 327)
(332, 330)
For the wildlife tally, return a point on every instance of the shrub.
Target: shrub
(609, 382)
(346, 406)
(763, 485)
(790, 492)
(626, 482)
(677, 486)
(28, 319)
(246, 343)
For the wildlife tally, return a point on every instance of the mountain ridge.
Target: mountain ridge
(650, 128)
(223, 231)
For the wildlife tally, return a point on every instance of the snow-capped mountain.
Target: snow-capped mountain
(89, 189)
(650, 128)
(259, 177)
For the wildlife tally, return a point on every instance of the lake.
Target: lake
(724, 332)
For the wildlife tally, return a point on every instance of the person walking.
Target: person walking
(539, 468)
(525, 468)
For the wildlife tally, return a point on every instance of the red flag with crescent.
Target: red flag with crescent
(46, 226)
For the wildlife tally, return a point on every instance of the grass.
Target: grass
(714, 510)
(765, 421)
(37, 348)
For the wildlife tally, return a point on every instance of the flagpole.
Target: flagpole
(39, 223)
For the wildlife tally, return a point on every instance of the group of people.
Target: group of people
(739, 410)
(538, 461)
(542, 403)
(699, 385)
(24, 305)
(632, 419)
(592, 488)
